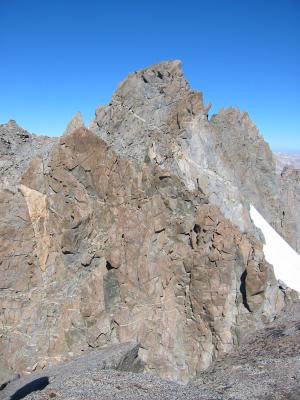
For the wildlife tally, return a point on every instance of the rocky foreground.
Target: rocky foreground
(267, 366)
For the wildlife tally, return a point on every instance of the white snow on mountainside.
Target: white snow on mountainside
(285, 260)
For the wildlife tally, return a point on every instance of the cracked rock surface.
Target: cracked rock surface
(138, 230)
(111, 252)
(17, 148)
(154, 114)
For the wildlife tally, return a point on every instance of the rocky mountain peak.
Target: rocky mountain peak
(12, 124)
(12, 132)
(75, 123)
(138, 230)
(155, 114)
(154, 82)
(153, 104)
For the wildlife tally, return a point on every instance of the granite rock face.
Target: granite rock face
(99, 250)
(155, 115)
(290, 195)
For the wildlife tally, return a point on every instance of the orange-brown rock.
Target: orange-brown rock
(98, 250)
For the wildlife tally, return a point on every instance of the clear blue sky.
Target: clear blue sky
(63, 56)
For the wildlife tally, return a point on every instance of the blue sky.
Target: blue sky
(63, 56)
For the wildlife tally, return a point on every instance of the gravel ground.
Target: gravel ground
(120, 385)
(266, 367)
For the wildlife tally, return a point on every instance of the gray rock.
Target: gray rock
(17, 148)
(290, 197)
(122, 357)
(6, 378)
(155, 115)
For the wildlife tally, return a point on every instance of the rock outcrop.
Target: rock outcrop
(75, 123)
(98, 250)
(17, 148)
(154, 114)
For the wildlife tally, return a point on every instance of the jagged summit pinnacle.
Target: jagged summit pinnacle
(160, 72)
(154, 113)
(76, 122)
(167, 68)
(164, 81)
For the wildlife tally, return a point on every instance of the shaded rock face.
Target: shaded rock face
(288, 167)
(99, 250)
(155, 115)
(290, 194)
(249, 163)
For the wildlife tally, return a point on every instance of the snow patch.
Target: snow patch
(285, 260)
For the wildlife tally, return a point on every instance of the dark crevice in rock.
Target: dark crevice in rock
(243, 290)
(197, 228)
(109, 266)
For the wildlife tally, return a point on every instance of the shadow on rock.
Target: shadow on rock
(33, 386)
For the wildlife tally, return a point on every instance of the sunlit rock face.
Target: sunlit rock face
(17, 148)
(155, 115)
(101, 250)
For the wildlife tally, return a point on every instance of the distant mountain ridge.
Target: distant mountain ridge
(287, 159)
